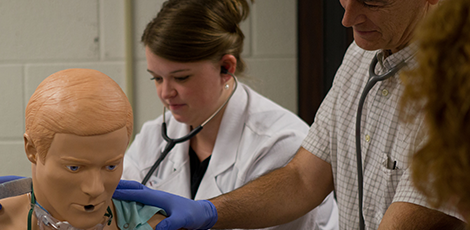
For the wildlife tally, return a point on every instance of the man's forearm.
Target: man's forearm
(261, 203)
(407, 216)
(277, 197)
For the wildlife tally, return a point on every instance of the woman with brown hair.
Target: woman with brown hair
(439, 88)
(193, 50)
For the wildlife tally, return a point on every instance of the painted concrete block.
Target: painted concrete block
(275, 28)
(144, 12)
(112, 29)
(276, 79)
(147, 103)
(49, 29)
(246, 27)
(13, 159)
(11, 102)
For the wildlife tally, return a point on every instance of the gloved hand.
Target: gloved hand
(4, 179)
(182, 212)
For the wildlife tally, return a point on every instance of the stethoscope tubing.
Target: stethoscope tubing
(373, 79)
(172, 142)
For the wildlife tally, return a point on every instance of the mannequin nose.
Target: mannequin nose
(93, 185)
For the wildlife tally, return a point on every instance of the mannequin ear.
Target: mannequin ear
(229, 62)
(30, 149)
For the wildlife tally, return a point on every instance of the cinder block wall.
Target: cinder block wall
(39, 38)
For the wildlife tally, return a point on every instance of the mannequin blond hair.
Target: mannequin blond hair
(83, 102)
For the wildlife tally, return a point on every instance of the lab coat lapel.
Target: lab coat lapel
(224, 154)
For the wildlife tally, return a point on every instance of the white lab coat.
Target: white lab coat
(255, 136)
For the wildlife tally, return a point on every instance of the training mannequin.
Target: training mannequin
(78, 126)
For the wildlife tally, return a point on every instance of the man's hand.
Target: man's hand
(182, 212)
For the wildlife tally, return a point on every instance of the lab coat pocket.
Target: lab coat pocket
(227, 180)
(166, 170)
(391, 173)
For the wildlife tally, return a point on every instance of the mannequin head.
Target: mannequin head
(84, 102)
(78, 126)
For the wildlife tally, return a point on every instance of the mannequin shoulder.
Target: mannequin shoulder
(14, 212)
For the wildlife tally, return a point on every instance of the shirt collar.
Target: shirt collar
(386, 63)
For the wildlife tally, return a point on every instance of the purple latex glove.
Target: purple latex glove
(182, 212)
(4, 179)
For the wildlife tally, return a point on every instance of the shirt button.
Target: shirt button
(126, 225)
(385, 92)
(367, 138)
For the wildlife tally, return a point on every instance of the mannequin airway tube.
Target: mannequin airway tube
(89, 208)
(46, 221)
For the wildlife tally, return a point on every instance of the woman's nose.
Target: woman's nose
(167, 90)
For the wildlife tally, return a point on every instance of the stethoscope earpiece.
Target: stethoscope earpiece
(223, 70)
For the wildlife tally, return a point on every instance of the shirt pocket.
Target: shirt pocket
(391, 171)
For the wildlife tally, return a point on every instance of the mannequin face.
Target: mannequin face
(191, 91)
(79, 176)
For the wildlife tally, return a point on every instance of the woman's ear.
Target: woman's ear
(229, 62)
(30, 149)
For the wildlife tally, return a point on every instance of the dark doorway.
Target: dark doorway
(321, 46)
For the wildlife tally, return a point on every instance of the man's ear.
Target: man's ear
(30, 149)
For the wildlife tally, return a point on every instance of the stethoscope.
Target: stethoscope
(373, 79)
(170, 142)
